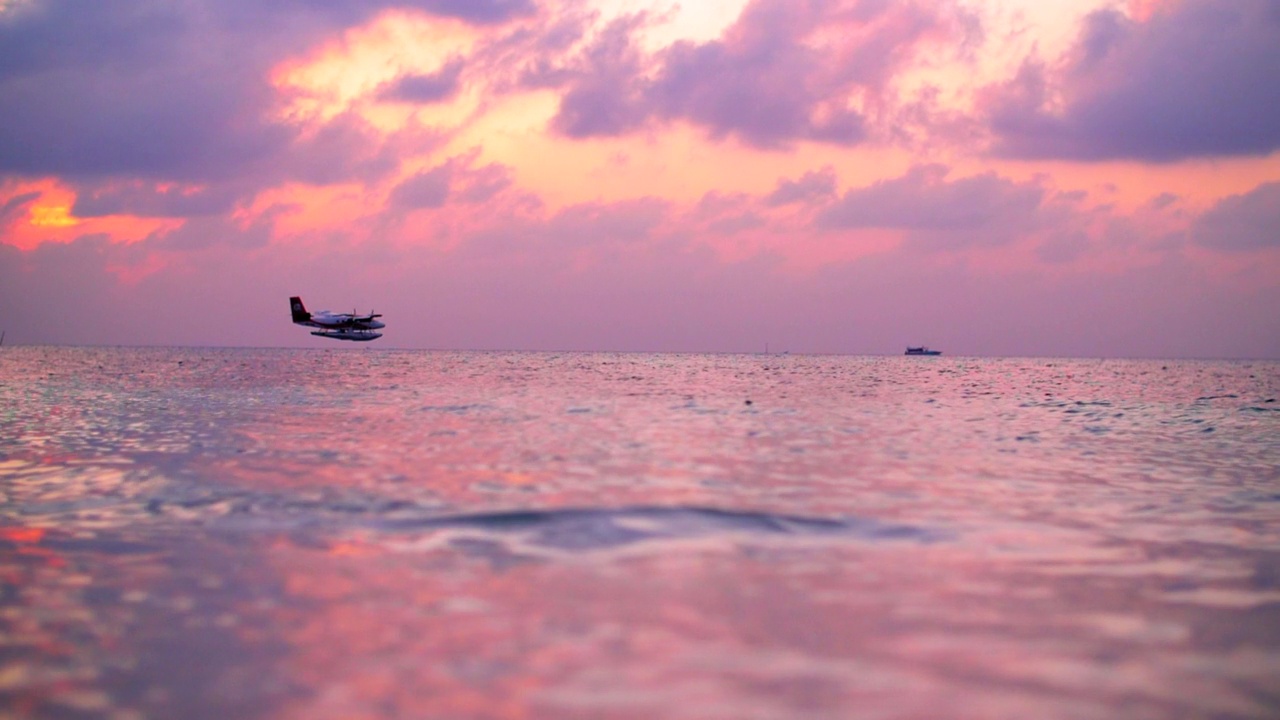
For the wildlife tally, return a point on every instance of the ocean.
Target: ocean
(373, 533)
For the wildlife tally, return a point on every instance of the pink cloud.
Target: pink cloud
(813, 186)
(626, 277)
(784, 72)
(983, 209)
(1240, 223)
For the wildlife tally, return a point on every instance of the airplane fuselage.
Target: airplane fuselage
(325, 319)
(338, 326)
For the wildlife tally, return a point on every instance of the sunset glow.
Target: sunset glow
(519, 160)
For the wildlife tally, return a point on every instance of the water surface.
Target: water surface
(396, 534)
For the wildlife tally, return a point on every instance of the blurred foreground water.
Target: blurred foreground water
(362, 533)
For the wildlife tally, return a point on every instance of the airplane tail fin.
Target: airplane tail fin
(300, 313)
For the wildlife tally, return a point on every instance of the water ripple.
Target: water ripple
(586, 529)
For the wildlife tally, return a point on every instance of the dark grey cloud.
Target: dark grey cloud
(166, 90)
(1242, 222)
(1197, 79)
(923, 199)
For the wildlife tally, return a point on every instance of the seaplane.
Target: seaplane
(339, 326)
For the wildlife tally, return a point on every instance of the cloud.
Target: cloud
(581, 280)
(345, 148)
(596, 224)
(784, 72)
(766, 96)
(1163, 200)
(475, 11)
(479, 185)
(924, 200)
(141, 199)
(166, 110)
(761, 82)
(812, 186)
(606, 98)
(1063, 247)
(457, 179)
(429, 88)
(428, 189)
(12, 207)
(1197, 79)
(141, 90)
(207, 232)
(1240, 223)
(726, 214)
(166, 91)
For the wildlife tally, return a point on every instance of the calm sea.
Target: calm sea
(367, 533)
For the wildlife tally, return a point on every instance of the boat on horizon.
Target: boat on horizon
(921, 350)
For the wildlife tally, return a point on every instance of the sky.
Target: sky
(999, 178)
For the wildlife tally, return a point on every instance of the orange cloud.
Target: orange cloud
(49, 217)
(347, 73)
(298, 210)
